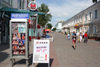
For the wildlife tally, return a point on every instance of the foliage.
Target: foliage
(43, 19)
(53, 29)
(94, 1)
(49, 26)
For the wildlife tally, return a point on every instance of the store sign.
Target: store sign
(32, 5)
(19, 16)
(41, 51)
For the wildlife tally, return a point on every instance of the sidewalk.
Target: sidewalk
(5, 60)
(85, 55)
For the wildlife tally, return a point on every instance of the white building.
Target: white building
(58, 26)
(87, 20)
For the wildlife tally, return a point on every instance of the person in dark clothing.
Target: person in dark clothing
(74, 39)
(65, 33)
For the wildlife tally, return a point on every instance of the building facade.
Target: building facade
(4, 18)
(58, 26)
(87, 20)
(4, 21)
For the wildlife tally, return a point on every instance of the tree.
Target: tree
(53, 29)
(94, 1)
(43, 19)
(49, 26)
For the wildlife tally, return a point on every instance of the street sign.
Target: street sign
(41, 51)
(32, 5)
(19, 16)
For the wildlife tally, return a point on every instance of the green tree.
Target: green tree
(43, 19)
(54, 29)
(49, 26)
(94, 1)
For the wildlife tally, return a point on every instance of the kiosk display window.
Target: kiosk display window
(18, 38)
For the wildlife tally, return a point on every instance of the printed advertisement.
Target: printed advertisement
(41, 51)
(18, 39)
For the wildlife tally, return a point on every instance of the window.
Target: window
(86, 18)
(23, 4)
(19, 4)
(90, 15)
(89, 30)
(96, 14)
(8, 1)
(94, 29)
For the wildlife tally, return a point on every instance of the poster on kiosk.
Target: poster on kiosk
(19, 35)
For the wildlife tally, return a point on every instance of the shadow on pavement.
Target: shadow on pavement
(40, 64)
(3, 56)
(45, 64)
(23, 61)
(4, 47)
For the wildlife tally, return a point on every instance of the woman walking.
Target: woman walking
(81, 37)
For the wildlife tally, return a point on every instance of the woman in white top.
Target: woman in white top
(81, 36)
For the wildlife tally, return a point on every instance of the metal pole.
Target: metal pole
(36, 22)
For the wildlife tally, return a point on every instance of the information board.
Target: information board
(41, 51)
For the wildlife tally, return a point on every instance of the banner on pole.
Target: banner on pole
(41, 51)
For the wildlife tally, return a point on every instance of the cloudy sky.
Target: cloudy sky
(62, 10)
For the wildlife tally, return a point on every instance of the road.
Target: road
(85, 55)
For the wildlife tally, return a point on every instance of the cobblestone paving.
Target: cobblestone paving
(85, 55)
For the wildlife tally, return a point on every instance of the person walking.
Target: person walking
(74, 39)
(68, 36)
(81, 36)
(85, 37)
(65, 33)
(78, 37)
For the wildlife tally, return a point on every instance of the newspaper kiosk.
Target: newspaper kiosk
(19, 46)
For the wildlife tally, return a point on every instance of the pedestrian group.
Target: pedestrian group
(77, 37)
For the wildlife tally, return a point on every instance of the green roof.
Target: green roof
(14, 10)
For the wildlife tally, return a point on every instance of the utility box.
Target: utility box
(19, 43)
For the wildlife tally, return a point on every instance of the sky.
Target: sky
(62, 10)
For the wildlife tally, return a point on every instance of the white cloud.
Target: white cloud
(68, 9)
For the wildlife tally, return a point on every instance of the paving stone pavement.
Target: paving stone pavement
(85, 55)
(61, 54)
(5, 60)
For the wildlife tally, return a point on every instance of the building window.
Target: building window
(86, 18)
(8, 1)
(19, 4)
(23, 4)
(96, 14)
(90, 15)
(89, 30)
(94, 29)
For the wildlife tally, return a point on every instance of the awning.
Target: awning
(14, 10)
